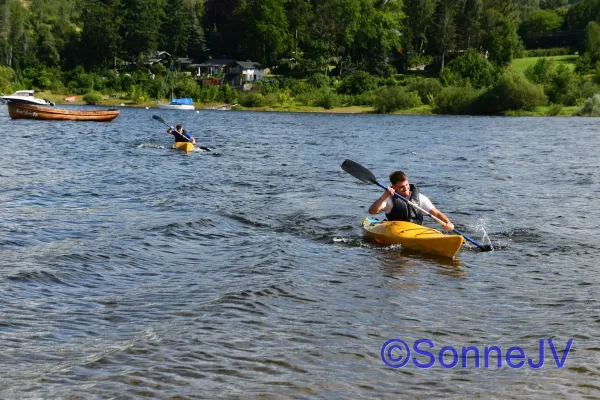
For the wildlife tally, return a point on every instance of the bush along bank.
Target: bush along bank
(469, 84)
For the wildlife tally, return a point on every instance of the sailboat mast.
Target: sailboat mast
(173, 82)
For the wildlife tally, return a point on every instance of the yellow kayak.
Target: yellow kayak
(412, 236)
(185, 146)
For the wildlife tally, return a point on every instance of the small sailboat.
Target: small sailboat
(178, 104)
(175, 104)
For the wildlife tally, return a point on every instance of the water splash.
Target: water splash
(480, 226)
(148, 145)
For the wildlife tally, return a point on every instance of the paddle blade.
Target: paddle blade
(159, 119)
(359, 172)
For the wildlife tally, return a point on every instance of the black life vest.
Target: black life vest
(401, 211)
(180, 137)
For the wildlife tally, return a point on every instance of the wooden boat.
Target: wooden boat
(412, 236)
(185, 146)
(30, 111)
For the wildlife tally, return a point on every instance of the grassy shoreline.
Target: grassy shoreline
(544, 111)
(521, 64)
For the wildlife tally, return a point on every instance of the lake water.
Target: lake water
(130, 270)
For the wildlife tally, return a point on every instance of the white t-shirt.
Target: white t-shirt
(424, 203)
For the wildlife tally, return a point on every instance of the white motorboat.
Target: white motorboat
(25, 96)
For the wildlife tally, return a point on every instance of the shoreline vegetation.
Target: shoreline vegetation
(123, 101)
(542, 111)
(469, 85)
(480, 57)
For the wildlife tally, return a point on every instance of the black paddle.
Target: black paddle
(363, 174)
(159, 119)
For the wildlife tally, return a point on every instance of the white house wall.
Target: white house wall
(249, 74)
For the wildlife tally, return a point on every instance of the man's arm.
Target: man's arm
(190, 137)
(437, 213)
(378, 205)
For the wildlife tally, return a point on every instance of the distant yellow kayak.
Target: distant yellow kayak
(185, 146)
(412, 236)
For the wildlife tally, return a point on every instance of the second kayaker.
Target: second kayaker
(398, 210)
(180, 134)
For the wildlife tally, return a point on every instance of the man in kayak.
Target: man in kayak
(180, 134)
(398, 210)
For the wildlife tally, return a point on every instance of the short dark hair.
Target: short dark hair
(178, 126)
(397, 176)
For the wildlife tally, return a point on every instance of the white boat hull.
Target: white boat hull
(176, 106)
(25, 97)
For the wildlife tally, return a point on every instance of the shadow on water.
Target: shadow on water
(409, 269)
(396, 254)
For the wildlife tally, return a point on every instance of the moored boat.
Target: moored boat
(185, 103)
(185, 146)
(178, 104)
(26, 97)
(412, 236)
(29, 111)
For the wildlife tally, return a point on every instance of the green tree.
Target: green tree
(141, 22)
(553, 4)
(266, 30)
(197, 41)
(47, 51)
(501, 41)
(469, 24)
(7, 76)
(581, 13)
(471, 68)
(445, 29)
(100, 38)
(419, 19)
(358, 83)
(334, 29)
(377, 36)
(564, 85)
(542, 72)
(512, 91)
(541, 22)
(16, 41)
(175, 27)
(526, 7)
(299, 16)
(395, 98)
(222, 22)
(591, 44)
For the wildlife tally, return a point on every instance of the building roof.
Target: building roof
(249, 65)
(218, 62)
(184, 60)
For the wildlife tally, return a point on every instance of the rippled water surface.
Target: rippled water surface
(129, 270)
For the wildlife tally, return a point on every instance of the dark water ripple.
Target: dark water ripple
(133, 271)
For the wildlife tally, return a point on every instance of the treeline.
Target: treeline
(470, 84)
(346, 52)
(378, 36)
